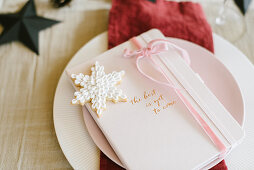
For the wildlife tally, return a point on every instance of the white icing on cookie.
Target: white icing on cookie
(98, 88)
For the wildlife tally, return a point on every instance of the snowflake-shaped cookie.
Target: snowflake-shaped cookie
(98, 88)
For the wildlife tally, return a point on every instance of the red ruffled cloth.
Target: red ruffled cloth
(185, 20)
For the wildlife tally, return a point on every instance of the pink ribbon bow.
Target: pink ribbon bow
(154, 47)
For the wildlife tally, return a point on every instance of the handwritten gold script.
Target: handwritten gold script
(153, 100)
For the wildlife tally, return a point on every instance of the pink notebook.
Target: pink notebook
(153, 129)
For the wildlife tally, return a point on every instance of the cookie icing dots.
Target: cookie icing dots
(98, 88)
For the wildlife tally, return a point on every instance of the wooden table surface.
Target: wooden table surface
(28, 81)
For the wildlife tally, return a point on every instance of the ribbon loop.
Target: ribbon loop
(156, 47)
(153, 48)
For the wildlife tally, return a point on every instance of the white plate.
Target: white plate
(71, 132)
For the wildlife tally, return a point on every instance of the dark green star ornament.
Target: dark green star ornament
(24, 26)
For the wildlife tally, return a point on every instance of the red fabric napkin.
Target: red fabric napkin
(185, 20)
